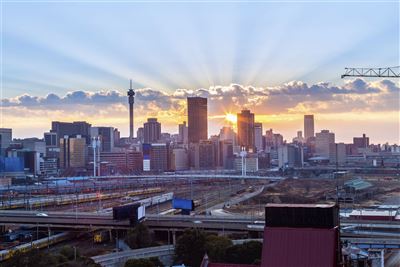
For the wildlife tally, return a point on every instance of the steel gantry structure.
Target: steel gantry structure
(390, 72)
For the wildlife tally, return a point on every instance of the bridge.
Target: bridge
(90, 220)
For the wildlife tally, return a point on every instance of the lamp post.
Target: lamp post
(243, 154)
(94, 144)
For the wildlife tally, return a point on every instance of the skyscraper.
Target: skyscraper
(140, 134)
(131, 100)
(106, 135)
(227, 133)
(323, 141)
(245, 128)
(183, 133)
(361, 142)
(152, 131)
(308, 126)
(5, 140)
(258, 138)
(72, 152)
(71, 129)
(159, 157)
(197, 119)
(202, 155)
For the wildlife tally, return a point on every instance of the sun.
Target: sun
(231, 118)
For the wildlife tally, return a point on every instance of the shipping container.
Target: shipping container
(301, 215)
(184, 204)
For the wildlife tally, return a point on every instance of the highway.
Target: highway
(90, 220)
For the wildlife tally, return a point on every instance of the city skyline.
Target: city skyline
(226, 117)
(237, 55)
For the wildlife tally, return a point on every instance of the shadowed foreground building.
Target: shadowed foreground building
(300, 235)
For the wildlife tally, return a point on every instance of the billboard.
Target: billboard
(146, 148)
(141, 212)
(184, 204)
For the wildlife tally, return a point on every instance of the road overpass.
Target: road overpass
(90, 220)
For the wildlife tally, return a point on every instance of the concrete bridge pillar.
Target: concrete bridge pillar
(173, 237)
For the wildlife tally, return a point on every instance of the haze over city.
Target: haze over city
(279, 60)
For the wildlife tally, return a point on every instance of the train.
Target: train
(101, 237)
(80, 198)
(37, 244)
(156, 199)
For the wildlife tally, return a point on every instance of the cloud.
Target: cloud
(291, 97)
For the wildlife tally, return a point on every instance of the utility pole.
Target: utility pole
(98, 144)
(94, 144)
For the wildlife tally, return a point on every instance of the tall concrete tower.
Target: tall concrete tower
(131, 98)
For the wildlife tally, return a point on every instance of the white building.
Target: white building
(179, 159)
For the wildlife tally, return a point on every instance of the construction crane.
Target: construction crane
(391, 72)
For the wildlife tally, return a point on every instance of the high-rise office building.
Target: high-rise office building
(50, 139)
(140, 134)
(117, 137)
(226, 154)
(52, 148)
(299, 138)
(197, 119)
(308, 126)
(183, 133)
(290, 156)
(202, 155)
(73, 151)
(159, 157)
(258, 138)
(179, 159)
(227, 133)
(5, 140)
(151, 131)
(361, 142)
(337, 153)
(245, 128)
(323, 141)
(269, 138)
(106, 135)
(71, 129)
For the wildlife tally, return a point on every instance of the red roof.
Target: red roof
(230, 265)
(299, 247)
(287, 205)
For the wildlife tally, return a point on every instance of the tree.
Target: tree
(31, 258)
(246, 253)
(69, 252)
(139, 237)
(190, 247)
(216, 247)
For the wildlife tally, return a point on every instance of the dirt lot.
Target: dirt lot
(383, 191)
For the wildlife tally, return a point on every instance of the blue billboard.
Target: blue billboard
(184, 204)
(11, 164)
(146, 148)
